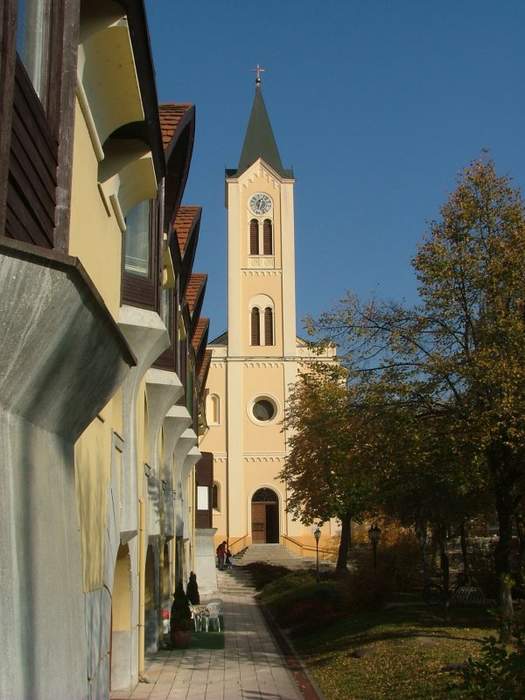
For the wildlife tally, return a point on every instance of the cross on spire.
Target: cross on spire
(258, 70)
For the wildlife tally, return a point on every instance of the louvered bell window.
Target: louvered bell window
(255, 327)
(268, 326)
(267, 237)
(254, 237)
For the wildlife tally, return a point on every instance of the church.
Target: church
(257, 359)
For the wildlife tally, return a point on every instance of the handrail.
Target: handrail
(235, 542)
(307, 547)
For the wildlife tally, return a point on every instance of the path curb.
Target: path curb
(307, 686)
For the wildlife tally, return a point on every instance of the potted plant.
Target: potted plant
(181, 624)
(192, 590)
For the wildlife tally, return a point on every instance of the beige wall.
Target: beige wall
(95, 236)
(250, 451)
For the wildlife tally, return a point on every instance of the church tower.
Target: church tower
(256, 360)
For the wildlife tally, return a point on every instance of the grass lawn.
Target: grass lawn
(402, 651)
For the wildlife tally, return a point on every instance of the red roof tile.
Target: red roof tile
(170, 117)
(204, 368)
(183, 224)
(200, 330)
(194, 289)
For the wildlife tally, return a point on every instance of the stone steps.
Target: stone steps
(276, 554)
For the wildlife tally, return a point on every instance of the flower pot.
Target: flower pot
(181, 639)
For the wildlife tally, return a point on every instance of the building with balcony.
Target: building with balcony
(103, 363)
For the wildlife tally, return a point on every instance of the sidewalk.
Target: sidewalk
(250, 666)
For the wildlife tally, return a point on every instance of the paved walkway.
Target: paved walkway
(249, 667)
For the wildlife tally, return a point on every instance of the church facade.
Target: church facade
(257, 359)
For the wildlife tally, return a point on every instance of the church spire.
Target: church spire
(259, 141)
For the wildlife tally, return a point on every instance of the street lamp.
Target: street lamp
(317, 535)
(374, 533)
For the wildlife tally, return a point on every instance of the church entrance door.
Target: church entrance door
(265, 517)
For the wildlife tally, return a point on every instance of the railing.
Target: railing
(239, 544)
(306, 550)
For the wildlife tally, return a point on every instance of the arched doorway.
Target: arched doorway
(265, 517)
(120, 659)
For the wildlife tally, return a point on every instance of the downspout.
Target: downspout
(142, 586)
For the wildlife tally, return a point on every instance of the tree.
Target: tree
(325, 471)
(462, 349)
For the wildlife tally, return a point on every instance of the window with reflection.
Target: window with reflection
(137, 253)
(32, 39)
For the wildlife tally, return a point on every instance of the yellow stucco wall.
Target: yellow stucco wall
(95, 236)
(93, 471)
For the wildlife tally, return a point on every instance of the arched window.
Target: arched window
(215, 405)
(267, 237)
(254, 237)
(268, 326)
(255, 326)
(213, 409)
(215, 496)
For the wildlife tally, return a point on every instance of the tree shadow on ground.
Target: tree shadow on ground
(362, 629)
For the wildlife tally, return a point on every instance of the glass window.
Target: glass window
(264, 409)
(137, 240)
(32, 36)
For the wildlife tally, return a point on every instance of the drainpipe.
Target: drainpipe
(142, 585)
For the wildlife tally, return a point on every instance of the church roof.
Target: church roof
(259, 141)
(221, 339)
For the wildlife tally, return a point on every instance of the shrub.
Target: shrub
(263, 574)
(297, 600)
(180, 619)
(400, 563)
(367, 589)
(192, 590)
(499, 674)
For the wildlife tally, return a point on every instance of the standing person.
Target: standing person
(227, 557)
(221, 553)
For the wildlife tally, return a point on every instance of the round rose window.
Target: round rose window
(264, 410)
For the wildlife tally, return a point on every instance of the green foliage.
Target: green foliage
(297, 600)
(499, 672)
(447, 376)
(263, 573)
(180, 619)
(192, 590)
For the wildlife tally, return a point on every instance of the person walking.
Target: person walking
(221, 554)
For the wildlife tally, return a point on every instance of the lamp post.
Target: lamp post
(374, 534)
(317, 535)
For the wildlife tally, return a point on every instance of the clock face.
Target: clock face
(260, 203)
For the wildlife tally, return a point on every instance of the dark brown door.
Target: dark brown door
(258, 523)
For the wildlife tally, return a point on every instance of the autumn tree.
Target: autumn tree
(462, 349)
(325, 471)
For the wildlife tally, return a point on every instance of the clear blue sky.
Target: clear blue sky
(376, 105)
